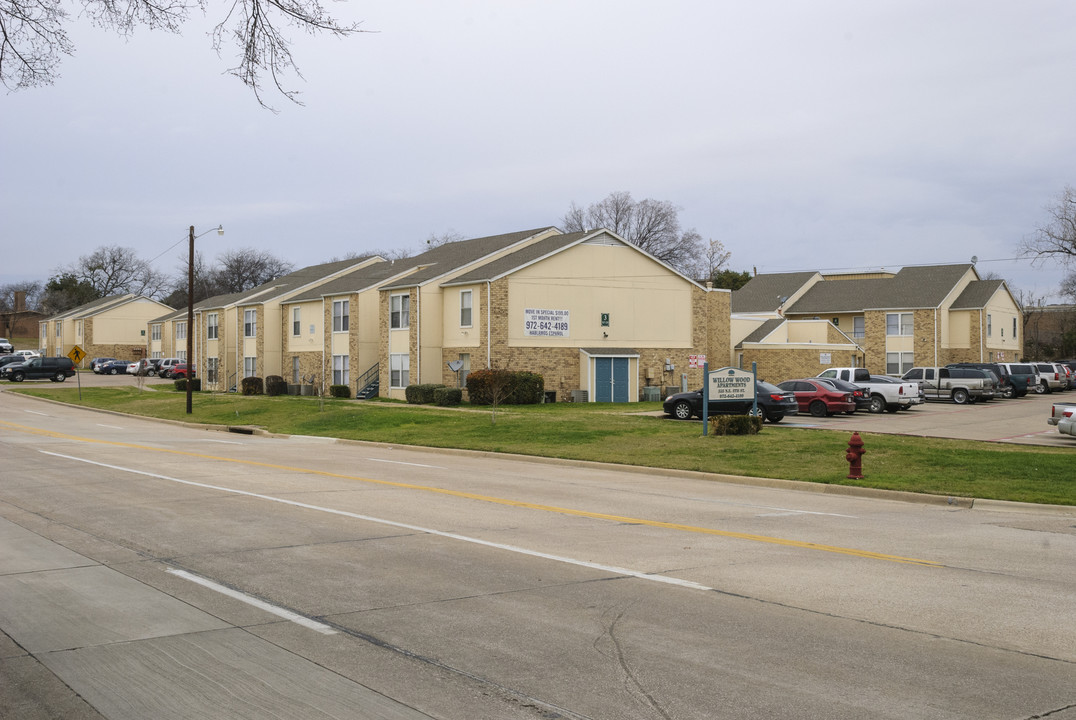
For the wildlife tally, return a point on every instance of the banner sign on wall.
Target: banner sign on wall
(545, 323)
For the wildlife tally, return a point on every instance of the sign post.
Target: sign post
(77, 355)
(728, 383)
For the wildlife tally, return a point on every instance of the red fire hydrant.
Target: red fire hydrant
(854, 456)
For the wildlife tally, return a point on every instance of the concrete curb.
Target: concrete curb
(777, 483)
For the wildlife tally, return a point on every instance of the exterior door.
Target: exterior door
(611, 379)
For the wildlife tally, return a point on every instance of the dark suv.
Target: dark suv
(1010, 384)
(56, 369)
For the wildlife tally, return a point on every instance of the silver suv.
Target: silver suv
(164, 369)
(6, 346)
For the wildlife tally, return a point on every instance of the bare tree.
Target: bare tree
(33, 35)
(32, 292)
(449, 236)
(1055, 238)
(651, 225)
(112, 269)
(1068, 287)
(246, 268)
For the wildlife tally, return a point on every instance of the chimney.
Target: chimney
(20, 301)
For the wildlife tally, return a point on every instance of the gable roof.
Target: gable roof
(100, 305)
(357, 280)
(977, 294)
(912, 288)
(443, 259)
(284, 284)
(759, 334)
(763, 293)
(520, 258)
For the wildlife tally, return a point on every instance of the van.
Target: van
(56, 369)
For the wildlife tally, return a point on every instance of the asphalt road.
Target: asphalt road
(154, 571)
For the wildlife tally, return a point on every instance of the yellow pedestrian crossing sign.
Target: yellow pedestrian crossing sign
(76, 354)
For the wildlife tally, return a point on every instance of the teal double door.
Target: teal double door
(611, 381)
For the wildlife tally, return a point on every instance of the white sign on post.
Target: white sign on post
(731, 384)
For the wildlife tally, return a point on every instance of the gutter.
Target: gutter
(489, 325)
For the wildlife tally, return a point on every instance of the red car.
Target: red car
(179, 370)
(818, 398)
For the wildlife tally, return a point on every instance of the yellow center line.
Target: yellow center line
(496, 500)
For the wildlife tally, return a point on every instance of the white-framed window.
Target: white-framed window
(250, 324)
(465, 358)
(181, 330)
(341, 313)
(399, 311)
(59, 328)
(898, 363)
(212, 326)
(465, 308)
(859, 327)
(155, 332)
(399, 370)
(211, 369)
(989, 325)
(182, 355)
(250, 366)
(296, 321)
(341, 370)
(1014, 328)
(898, 323)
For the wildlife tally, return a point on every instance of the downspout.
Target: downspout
(936, 332)
(418, 333)
(326, 337)
(982, 338)
(489, 323)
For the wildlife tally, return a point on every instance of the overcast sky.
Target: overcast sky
(802, 135)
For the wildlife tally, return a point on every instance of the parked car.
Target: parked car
(113, 367)
(1051, 377)
(6, 346)
(28, 353)
(164, 368)
(141, 367)
(179, 371)
(8, 359)
(773, 403)
(961, 385)
(97, 362)
(887, 394)
(56, 369)
(818, 398)
(1024, 377)
(1063, 416)
(860, 395)
(1007, 386)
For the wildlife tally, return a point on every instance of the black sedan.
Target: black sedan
(773, 403)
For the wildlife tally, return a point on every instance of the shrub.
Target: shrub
(735, 425)
(181, 384)
(447, 396)
(421, 394)
(340, 391)
(508, 387)
(251, 386)
(276, 385)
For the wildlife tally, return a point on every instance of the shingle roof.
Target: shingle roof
(524, 256)
(443, 259)
(759, 334)
(763, 293)
(283, 284)
(94, 306)
(356, 280)
(977, 294)
(911, 288)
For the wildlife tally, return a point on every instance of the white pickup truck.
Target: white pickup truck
(1063, 415)
(887, 394)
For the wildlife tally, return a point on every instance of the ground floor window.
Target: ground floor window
(341, 374)
(898, 363)
(399, 370)
(249, 366)
(182, 355)
(465, 370)
(211, 370)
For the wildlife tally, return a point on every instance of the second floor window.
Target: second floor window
(155, 332)
(296, 322)
(399, 311)
(859, 327)
(181, 331)
(465, 308)
(898, 324)
(340, 316)
(250, 323)
(212, 326)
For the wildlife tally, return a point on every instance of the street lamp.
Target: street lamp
(190, 316)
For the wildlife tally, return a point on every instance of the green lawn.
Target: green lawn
(620, 434)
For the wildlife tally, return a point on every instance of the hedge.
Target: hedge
(421, 394)
(735, 425)
(447, 396)
(518, 388)
(181, 384)
(252, 386)
(276, 385)
(340, 391)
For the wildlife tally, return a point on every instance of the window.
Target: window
(399, 370)
(212, 326)
(211, 370)
(1014, 328)
(465, 358)
(340, 317)
(859, 327)
(250, 366)
(898, 324)
(296, 322)
(341, 376)
(250, 324)
(181, 331)
(182, 355)
(155, 332)
(59, 328)
(898, 363)
(989, 325)
(399, 311)
(465, 308)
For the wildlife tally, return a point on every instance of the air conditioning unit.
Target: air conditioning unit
(579, 396)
